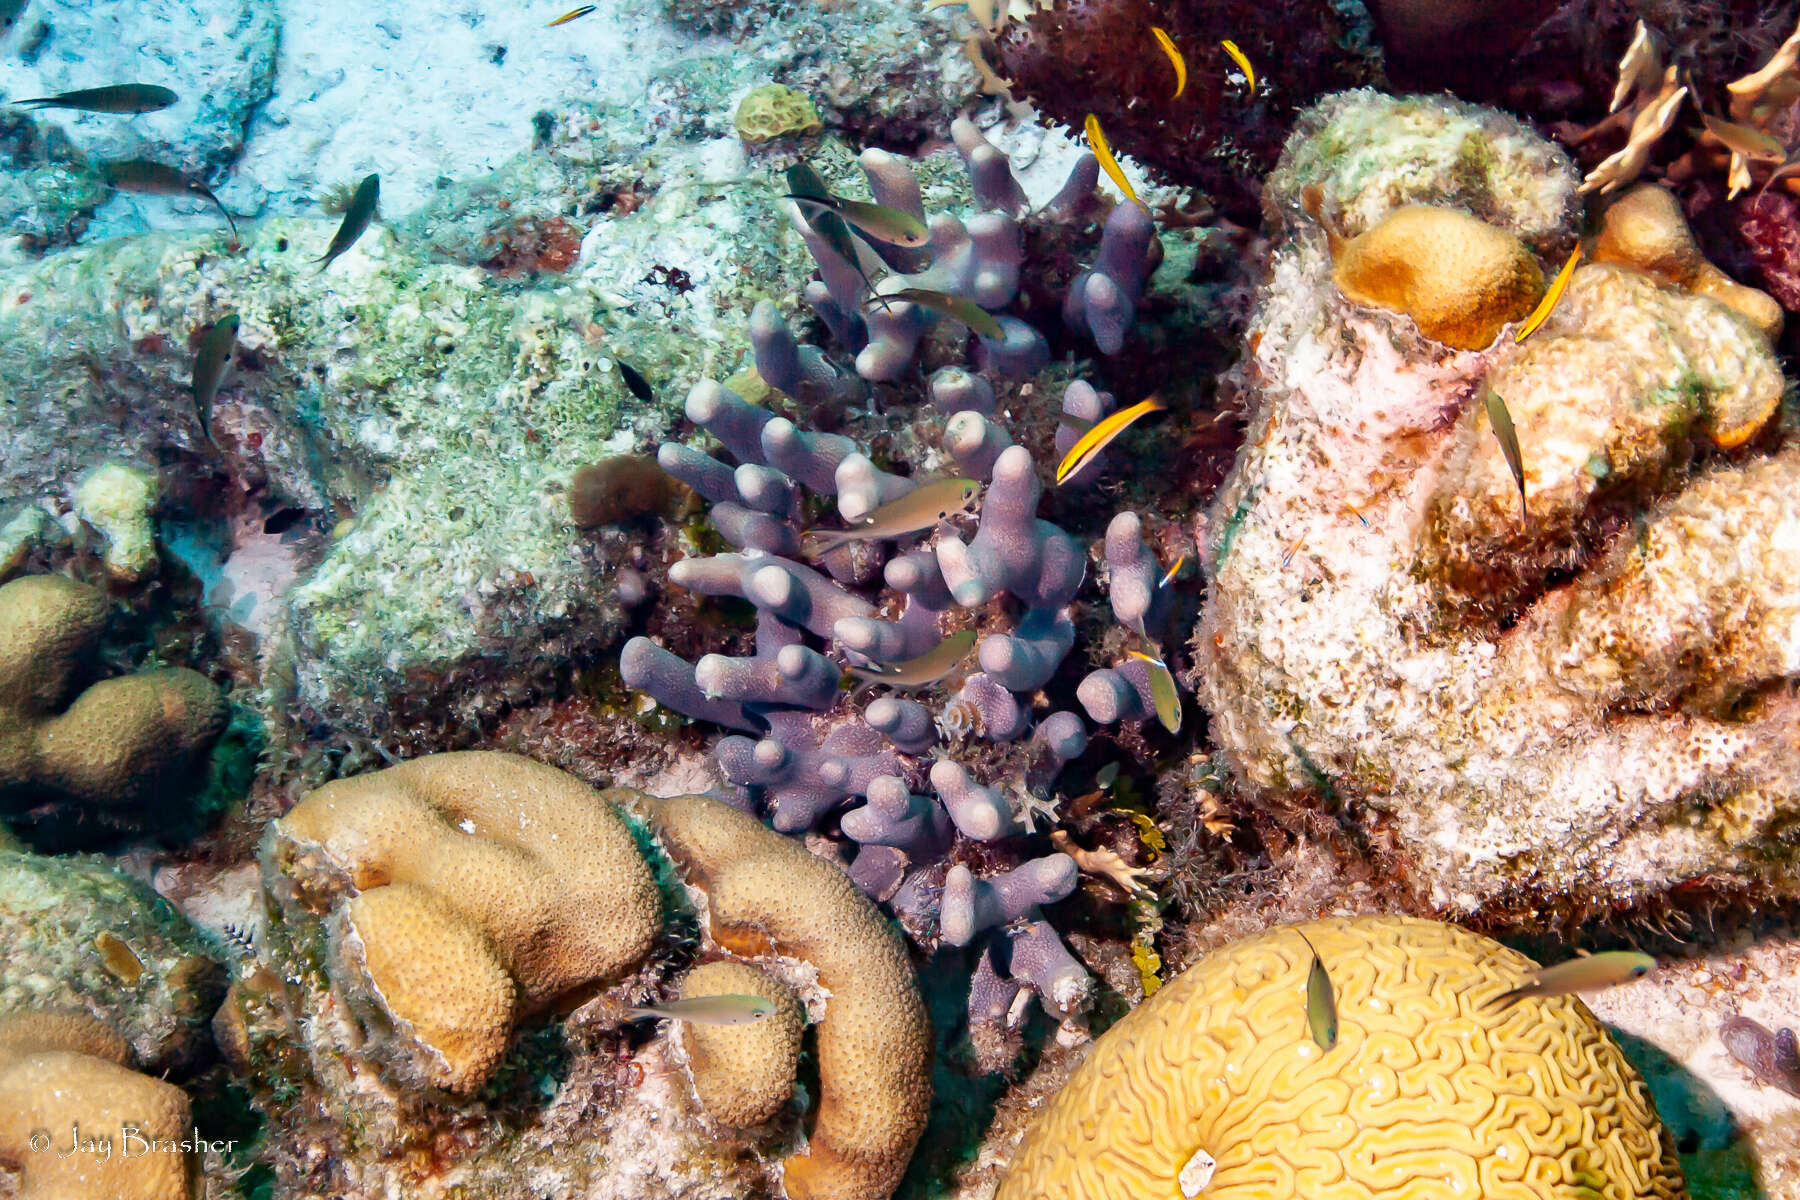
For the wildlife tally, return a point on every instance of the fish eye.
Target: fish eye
(942, 513)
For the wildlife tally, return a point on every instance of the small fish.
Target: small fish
(1581, 975)
(1101, 434)
(1741, 139)
(1168, 47)
(1163, 691)
(805, 182)
(153, 178)
(1321, 1002)
(879, 222)
(708, 1010)
(1547, 305)
(922, 508)
(119, 98)
(1501, 420)
(210, 362)
(1243, 62)
(640, 387)
(968, 312)
(357, 215)
(1169, 575)
(574, 14)
(1103, 151)
(924, 670)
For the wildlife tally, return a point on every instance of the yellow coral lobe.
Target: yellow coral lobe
(1423, 1095)
(1547, 305)
(1180, 64)
(1243, 62)
(1459, 278)
(774, 111)
(1103, 151)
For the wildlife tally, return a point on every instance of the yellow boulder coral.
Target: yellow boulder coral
(477, 887)
(1215, 1089)
(60, 1072)
(743, 1074)
(1458, 277)
(774, 111)
(767, 894)
(120, 743)
(1646, 230)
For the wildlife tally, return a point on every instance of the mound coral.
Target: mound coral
(766, 895)
(776, 111)
(66, 1073)
(466, 891)
(1215, 1088)
(743, 1074)
(111, 756)
(1585, 698)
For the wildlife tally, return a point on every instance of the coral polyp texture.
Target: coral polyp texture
(1585, 696)
(743, 1074)
(1215, 1087)
(475, 888)
(62, 1073)
(110, 756)
(766, 895)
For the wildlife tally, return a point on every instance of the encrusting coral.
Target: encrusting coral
(774, 111)
(476, 888)
(110, 755)
(63, 1074)
(1577, 698)
(1215, 1087)
(743, 1074)
(766, 895)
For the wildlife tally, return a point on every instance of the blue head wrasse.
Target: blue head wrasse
(1168, 47)
(1243, 62)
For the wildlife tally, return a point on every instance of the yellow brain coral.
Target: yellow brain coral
(773, 111)
(1215, 1089)
(767, 894)
(60, 1072)
(743, 1074)
(477, 887)
(1458, 277)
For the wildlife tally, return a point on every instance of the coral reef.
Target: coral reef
(1531, 1100)
(476, 889)
(81, 936)
(69, 1072)
(110, 757)
(1578, 701)
(618, 490)
(767, 895)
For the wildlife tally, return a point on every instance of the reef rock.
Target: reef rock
(1584, 698)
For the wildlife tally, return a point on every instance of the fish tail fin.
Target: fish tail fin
(816, 543)
(1506, 1000)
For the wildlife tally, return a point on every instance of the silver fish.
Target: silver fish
(210, 362)
(708, 1010)
(357, 216)
(924, 670)
(921, 508)
(1581, 975)
(1321, 1001)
